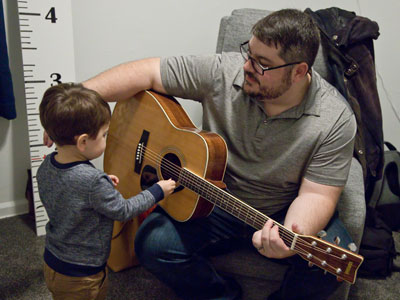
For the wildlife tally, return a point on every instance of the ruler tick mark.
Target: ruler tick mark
(35, 81)
(28, 13)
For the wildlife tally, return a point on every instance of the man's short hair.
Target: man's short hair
(68, 110)
(292, 30)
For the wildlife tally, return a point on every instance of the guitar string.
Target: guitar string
(287, 235)
(299, 250)
(175, 170)
(306, 244)
(172, 167)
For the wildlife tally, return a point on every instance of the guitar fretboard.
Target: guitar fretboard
(229, 203)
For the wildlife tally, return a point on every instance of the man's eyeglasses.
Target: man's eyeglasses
(260, 69)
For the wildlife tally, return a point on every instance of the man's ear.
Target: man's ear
(300, 71)
(81, 142)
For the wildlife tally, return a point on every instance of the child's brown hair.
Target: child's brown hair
(68, 110)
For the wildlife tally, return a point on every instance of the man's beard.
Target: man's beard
(265, 93)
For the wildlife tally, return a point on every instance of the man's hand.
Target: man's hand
(114, 179)
(268, 242)
(47, 140)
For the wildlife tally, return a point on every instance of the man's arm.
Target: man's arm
(309, 213)
(128, 79)
(124, 81)
(313, 207)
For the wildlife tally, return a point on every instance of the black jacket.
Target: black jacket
(347, 41)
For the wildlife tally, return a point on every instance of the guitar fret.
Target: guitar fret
(256, 219)
(226, 201)
(223, 200)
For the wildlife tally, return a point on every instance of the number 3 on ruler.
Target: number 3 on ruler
(56, 78)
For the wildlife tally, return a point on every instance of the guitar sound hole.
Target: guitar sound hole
(170, 168)
(149, 177)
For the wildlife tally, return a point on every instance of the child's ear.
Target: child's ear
(81, 142)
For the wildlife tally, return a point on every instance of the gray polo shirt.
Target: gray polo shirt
(267, 156)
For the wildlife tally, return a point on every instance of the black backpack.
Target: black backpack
(383, 217)
(385, 196)
(377, 247)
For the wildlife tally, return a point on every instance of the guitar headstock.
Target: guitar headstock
(336, 260)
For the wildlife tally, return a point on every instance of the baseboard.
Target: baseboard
(14, 208)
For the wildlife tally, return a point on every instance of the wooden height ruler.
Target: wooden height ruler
(48, 59)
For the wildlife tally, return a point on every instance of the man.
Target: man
(290, 140)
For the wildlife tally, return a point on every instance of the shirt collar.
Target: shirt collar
(311, 102)
(239, 78)
(67, 165)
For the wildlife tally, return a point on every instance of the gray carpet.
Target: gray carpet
(21, 274)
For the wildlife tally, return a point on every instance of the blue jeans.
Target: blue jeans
(176, 253)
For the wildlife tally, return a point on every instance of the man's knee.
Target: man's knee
(151, 238)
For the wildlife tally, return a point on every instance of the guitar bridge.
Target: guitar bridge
(140, 150)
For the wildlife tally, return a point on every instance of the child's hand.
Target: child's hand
(167, 186)
(114, 179)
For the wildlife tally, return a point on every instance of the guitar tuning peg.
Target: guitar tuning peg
(322, 234)
(310, 264)
(352, 247)
(337, 240)
(325, 272)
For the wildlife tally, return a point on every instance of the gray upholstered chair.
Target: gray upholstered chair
(257, 275)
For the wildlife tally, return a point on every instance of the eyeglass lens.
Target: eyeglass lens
(244, 50)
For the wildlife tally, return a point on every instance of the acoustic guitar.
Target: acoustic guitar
(152, 138)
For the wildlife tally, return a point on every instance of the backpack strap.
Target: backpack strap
(390, 178)
(390, 146)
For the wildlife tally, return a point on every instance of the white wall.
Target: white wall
(14, 144)
(107, 33)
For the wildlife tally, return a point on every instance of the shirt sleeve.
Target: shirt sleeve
(106, 200)
(330, 164)
(189, 77)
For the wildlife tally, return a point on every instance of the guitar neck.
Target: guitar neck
(230, 204)
(336, 260)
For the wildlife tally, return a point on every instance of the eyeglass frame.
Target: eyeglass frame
(252, 61)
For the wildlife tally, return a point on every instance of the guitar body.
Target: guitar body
(163, 126)
(151, 138)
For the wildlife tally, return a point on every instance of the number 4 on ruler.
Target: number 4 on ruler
(51, 15)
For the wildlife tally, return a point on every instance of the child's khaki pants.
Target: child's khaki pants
(62, 287)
